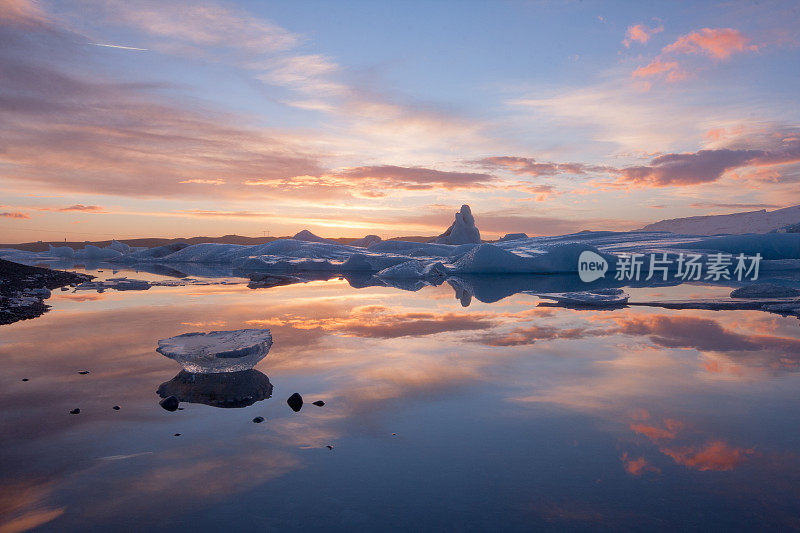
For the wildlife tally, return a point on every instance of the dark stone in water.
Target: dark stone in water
(177, 434)
(329, 446)
(258, 419)
(25, 379)
(116, 408)
(318, 403)
(75, 411)
(83, 372)
(169, 403)
(295, 401)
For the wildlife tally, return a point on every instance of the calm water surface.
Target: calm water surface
(504, 416)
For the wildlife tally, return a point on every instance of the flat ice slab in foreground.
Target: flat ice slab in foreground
(217, 351)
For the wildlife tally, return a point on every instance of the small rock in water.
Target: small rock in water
(177, 435)
(318, 403)
(295, 401)
(75, 411)
(25, 379)
(64, 288)
(116, 408)
(170, 403)
(329, 446)
(258, 419)
(83, 372)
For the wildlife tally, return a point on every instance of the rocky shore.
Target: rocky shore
(23, 289)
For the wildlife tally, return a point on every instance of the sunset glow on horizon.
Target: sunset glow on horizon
(177, 119)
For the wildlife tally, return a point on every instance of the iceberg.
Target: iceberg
(61, 251)
(121, 247)
(366, 241)
(513, 236)
(307, 236)
(217, 351)
(462, 230)
(96, 253)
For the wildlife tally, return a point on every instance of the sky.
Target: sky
(127, 118)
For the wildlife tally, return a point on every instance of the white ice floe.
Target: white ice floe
(604, 298)
(217, 351)
(414, 270)
(119, 284)
(781, 306)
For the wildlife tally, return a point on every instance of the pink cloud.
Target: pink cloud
(656, 67)
(640, 33)
(719, 43)
(529, 166)
(14, 214)
(21, 13)
(84, 208)
(416, 178)
(706, 166)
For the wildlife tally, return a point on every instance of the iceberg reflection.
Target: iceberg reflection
(228, 389)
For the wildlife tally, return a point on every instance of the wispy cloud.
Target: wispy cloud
(84, 208)
(14, 214)
(640, 33)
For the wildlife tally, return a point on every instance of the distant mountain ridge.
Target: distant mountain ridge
(762, 221)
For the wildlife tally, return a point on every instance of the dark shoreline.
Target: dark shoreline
(23, 289)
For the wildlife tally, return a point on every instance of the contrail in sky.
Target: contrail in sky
(120, 47)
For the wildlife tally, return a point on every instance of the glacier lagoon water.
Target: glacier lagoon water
(504, 414)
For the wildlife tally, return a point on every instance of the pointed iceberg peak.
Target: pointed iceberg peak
(462, 230)
(307, 236)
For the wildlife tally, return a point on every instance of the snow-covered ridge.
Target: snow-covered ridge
(762, 221)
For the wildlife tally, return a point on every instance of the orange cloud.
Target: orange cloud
(640, 33)
(719, 43)
(377, 321)
(637, 466)
(716, 455)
